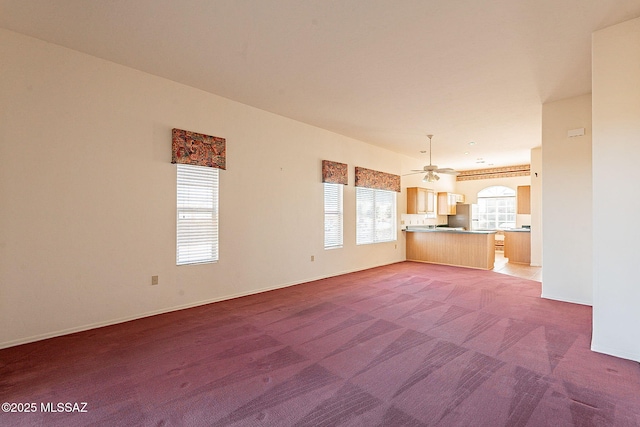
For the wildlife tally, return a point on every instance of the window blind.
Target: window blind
(333, 216)
(375, 216)
(197, 212)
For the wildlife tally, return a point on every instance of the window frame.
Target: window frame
(197, 214)
(367, 227)
(333, 215)
(503, 197)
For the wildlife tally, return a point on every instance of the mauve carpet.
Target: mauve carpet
(407, 344)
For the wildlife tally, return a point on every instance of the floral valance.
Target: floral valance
(378, 180)
(334, 172)
(193, 148)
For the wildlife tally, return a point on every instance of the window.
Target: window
(375, 216)
(332, 216)
(496, 208)
(197, 223)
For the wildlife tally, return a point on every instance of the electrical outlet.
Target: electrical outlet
(313, 258)
(154, 280)
(395, 246)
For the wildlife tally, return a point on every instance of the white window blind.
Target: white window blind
(375, 216)
(197, 223)
(332, 216)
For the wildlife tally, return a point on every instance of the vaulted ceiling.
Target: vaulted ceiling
(386, 72)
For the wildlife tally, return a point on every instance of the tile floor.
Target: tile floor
(502, 265)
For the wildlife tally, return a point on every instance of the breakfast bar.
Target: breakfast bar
(462, 248)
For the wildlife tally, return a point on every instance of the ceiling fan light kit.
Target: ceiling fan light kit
(430, 177)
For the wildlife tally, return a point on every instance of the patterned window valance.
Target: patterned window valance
(378, 180)
(193, 148)
(334, 172)
(502, 172)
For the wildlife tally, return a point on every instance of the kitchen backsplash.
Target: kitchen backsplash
(421, 219)
(523, 219)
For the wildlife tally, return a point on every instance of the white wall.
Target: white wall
(471, 188)
(536, 207)
(566, 201)
(87, 212)
(616, 150)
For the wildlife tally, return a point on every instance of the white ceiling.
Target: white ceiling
(386, 72)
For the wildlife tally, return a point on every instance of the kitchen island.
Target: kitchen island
(517, 245)
(473, 249)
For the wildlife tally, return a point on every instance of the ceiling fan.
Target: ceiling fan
(433, 170)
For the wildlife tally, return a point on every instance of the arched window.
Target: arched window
(496, 208)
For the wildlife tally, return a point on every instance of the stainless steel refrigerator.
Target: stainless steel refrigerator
(465, 217)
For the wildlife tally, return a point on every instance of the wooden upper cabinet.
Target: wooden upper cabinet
(524, 199)
(447, 203)
(443, 204)
(431, 201)
(420, 200)
(412, 200)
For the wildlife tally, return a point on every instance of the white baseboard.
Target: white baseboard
(616, 352)
(90, 326)
(557, 298)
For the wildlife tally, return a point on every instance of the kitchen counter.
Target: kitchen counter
(447, 230)
(462, 248)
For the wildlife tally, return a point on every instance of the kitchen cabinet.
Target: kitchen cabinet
(517, 246)
(447, 203)
(524, 199)
(420, 200)
(431, 202)
(416, 200)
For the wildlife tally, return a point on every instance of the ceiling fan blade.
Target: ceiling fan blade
(428, 168)
(448, 171)
(413, 173)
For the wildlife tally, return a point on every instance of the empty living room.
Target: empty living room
(347, 213)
